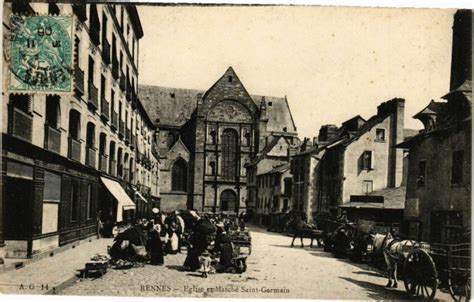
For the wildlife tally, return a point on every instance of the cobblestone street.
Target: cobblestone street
(274, 271)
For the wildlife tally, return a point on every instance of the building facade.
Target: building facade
(353, 167)
(274, 195)
(438, 197)
(207, 137)
(71, 159)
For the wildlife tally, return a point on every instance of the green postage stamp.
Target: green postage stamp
(41, 54)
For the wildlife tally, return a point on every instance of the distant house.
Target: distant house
(262, 175)
(354, 168)
(438, 197)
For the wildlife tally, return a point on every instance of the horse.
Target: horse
(304, 230)
(394, 251)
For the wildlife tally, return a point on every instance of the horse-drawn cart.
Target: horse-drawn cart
(242, 240)
(428, 267)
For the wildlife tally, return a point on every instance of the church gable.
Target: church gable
(229, 111)
(228, 87)
(178, 150)
(280, 148)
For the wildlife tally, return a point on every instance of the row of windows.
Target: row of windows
(20, 125)
(457, 169)
(213, 138)
(268, 180)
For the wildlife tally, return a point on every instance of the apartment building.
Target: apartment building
(71, 159)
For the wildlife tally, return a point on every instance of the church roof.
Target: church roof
(173, 107)
(168, 106)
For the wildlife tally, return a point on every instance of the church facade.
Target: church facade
(206, 139)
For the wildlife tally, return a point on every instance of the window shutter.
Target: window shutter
(372, 160)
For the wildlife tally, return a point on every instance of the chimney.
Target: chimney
(391, 106)
(461, 57)
(327, 133)
(315, 141)
(199, 98)
(395, 110)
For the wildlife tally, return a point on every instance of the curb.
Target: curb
(62, 285)
(45, 254)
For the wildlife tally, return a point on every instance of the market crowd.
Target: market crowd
(205, 237)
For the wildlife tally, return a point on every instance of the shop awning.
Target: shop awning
(123, 200)
(141, 196)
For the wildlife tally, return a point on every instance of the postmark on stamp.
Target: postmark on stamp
(41, 54)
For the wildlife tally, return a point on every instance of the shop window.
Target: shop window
(89, 202)
(52, 187)
(74, 200)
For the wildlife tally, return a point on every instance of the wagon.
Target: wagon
(242, 240)
(428, 267)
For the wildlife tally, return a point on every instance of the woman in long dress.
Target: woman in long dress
(154, 245)
(173, 241)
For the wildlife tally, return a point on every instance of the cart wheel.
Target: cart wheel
(459, 286)
(421, 277)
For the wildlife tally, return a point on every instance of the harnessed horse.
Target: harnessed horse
(393, 251)
(305, 230)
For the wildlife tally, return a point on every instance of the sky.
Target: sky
(331, 63)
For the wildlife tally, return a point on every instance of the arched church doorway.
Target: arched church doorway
(228, 200)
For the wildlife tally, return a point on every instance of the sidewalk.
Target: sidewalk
(50, 274)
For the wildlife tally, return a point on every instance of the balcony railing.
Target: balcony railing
(93, 96)
(121, 128)
(112, 167)
(79, 80)
(74, 151)
(106, 51)
(115, 67)
(21, 124)
(104, 108)
(90, 157)
(52, 139)
(122, 81)
(102, 163)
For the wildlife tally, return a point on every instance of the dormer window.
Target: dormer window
(172, 95)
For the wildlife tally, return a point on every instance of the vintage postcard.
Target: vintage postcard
(236, 151)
